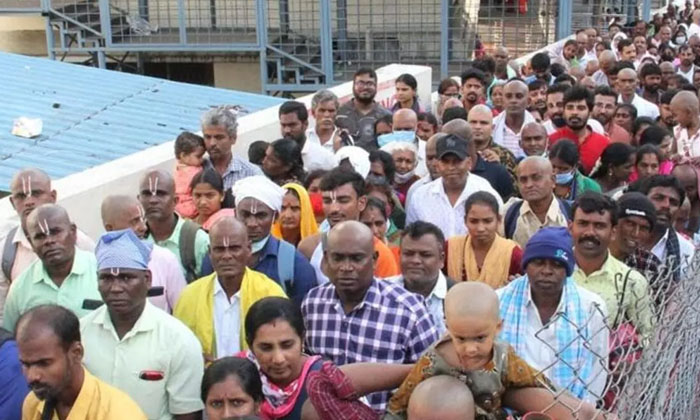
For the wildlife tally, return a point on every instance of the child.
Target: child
(491, 369)
(189, 152)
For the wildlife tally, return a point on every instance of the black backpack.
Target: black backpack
(188, 235)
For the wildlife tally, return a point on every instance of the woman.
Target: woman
(497, 101)
(231, 387)
(625, 114)
(600, 47)
(380, 188)
(569, 182)
(640, 125)
(663, 140)
(209, 197)
(374, 216)
(282, 162)
(406, 86)
(448, 88)
(648, 161)
(483, 255)
(405, 158)
(613, 169)
(296, 220)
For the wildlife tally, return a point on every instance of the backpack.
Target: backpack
(188, 235)
(511, 218)
(286, 254)
(9, 252)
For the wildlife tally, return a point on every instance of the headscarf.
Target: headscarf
(122, 249)
(260, 188)
(358, 157)
(307, 223)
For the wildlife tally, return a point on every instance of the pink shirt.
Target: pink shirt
(166, 272)
(183, 177)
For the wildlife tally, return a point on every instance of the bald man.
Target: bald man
(685, 108)
(441, 397)
(183, 238)
(430, 163)
(354, 300)
(63, 274)
(627, 83)
(606, 64)
(29, 188)
(214, 307)
(668, 70)
(406, 120)
(533, 139)
(503, 71)
(480, 121)
(508, 124)
(538, 207)
(125, 212)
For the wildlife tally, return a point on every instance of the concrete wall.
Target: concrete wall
(82, 193)
(21, 34)
(238, 76)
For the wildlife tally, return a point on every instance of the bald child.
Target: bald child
(441, 397)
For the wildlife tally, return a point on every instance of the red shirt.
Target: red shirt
(590, 149)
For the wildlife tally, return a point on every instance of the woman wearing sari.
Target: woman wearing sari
(483, 255)
(296, 221)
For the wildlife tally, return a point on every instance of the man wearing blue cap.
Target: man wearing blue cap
(553, 324)
(134, 346)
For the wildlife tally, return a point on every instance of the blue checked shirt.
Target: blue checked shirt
(391, 325)
(237, 170)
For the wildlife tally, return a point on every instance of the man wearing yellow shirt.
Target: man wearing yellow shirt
(48, 339)
(214, 307)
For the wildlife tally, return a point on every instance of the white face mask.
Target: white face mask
(257, 246)
(404, 178)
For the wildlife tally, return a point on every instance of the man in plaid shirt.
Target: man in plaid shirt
(357, 318)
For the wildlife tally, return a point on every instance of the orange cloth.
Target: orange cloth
(386, 263)
(307, 224)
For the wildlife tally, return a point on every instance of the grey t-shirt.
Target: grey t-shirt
(360, 126)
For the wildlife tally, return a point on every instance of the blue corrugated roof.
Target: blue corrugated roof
(92, 116)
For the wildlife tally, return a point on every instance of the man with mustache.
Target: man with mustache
(508, 125)
(555, 110)
(534, 140)
(473, 88)
(48, 339)
(134, 346)
(294, 120)
(578, 103)
(627, 88)
(593, 224)
(607, 62)
(537, 93)
(63, 274)
(324, 109)
(687, 66)
(604, 107)
(29, 188)
(650, 74)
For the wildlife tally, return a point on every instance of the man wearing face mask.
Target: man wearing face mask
(405, 158)
(404, 124)
(258, 204)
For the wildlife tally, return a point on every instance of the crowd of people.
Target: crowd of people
(477, 258)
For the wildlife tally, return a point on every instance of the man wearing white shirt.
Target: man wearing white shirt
(685, 108)
(294, 120)
(324, 108)
(509, 123)
(694, 28)
(447, 194)
(627, 85)
(687, 67)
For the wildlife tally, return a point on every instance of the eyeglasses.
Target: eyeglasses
(362, 83)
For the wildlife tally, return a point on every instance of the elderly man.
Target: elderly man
(668, 70)
(405, 157)
(686, 111)
(324, 109)
(604, 107)
(128, 341)
(405, 125)
(358, 318)
(508, 125)
(480, 121)
(538, 207)
(48, 339)
(578, 103)
(166, 228)
(534, 140)
(214, 307)
(360, 113)
(294, 120)
(556, 326)
(258, 205)
(627, 88)
(220, 131)
(422, 260)
(63, 274)
(125, 212)
(447, 194)
(29, 188)
(606, 62)
(430, 163)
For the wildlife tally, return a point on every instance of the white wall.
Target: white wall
(82, 193)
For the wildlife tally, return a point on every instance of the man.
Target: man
(129, 342)
(343, 195)
(503, 70)
(258, 205)
(62, 275)
(685, 108)
(666, 119)
(578, 103)
(220, 131)
(48, 339)
(14, 386)
(582, 55)
(686, 68)
(534, 140)
(405, 121)
(640, 45)
(447, 194)
(650, 74)
(29, 188)
(480, 124)
(687, 176)
(430, 163)
(694, 42)
(636, 220)
(540, 64)
(592, 226)
(214, 307)
(294, 120)
(537, 96)
(360, 113)
(606, 63)
(324, 109)
(538, 207)
(667, 195)
(626, 50)
(667, 72)
(557, 327)
(509, 124)
(626, 87)
(696, 79)
(555, 107)
(694, 28)
(604, 107)
(358, 318)
(473, 88)
(422, 260)
(166, 228)
(125, 212)
(663, 36)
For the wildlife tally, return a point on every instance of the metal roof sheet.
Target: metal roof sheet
(92, 116)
